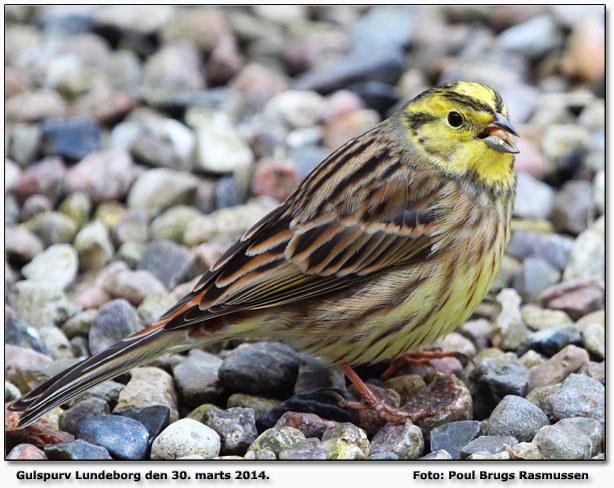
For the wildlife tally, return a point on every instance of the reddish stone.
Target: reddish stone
(369, 419)
(44, 178)
(26, 452)
(309, 424)
(275, 179)
(576, 297)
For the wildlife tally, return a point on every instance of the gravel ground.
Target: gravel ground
(141, 141)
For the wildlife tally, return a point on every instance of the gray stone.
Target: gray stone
(133, 286)
(345, 441)
(114, 321)
(517, 417)
(171, 224)
(587, 254)
(94, 246)
(197, 378)
(90, 407)
(558, 441)
(267, 368)
(277, 439)
(508, 322)
(52, 227)
(535, 276)
(39, 304)
(235, 426)
(168, 261)
(538, 318)
(440, 455)
(534, 198)
(56, 342)
(573, 206)
(123, 437)
(404, 440)
(591, 428)
(306, 449)
(579, 396)
(453, 436)
(553, 248)
(77, 450)
(487, 445)
(21, 245)
(533, 38)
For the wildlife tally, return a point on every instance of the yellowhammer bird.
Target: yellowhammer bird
(388, 244)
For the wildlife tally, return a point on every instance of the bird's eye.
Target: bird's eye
(455, 119)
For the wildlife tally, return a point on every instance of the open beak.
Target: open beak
(498, 135)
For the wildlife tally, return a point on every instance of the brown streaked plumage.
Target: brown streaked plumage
(388, 244)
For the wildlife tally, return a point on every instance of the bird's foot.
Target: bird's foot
(423, 357)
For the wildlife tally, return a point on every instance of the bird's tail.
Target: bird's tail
(126, 354)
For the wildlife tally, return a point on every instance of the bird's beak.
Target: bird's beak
(498, 135)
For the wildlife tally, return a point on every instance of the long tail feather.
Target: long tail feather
(113, 361)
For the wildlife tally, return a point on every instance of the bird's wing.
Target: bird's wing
(325, 237)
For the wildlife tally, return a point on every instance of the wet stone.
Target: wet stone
(517, 417)
(266, 368)
(235, 426)
(170, 262)
(78, 450)
(487, 445)
(154, 418)
(404, 440)
(123, 437)
(453, 436)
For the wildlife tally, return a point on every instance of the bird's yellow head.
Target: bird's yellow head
(463, 128)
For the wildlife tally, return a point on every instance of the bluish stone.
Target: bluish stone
(453, 436)
(155, 418)
(71, 138)
(78, 450)
(123, 437)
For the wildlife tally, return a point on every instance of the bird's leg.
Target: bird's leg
(369, 400)
(415, 358)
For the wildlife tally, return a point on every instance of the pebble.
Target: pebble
(594, 370)
(532, 38)
(534, 198)
(108, 390)
(25, 142)
(584, 54)
(38, 304)
(577, 297)
(310, 424)
(149, 387)
(21, 245)
(368, 419)
(17, 334)
(558, 367)
(535, 276)
(314, 373)
(114, 321)
(103, 175)
(130, 253)
(52, 227)
(497, 377)
(71, 138)
(587, 254)
(263, 368)
(161, 188)
(277, 439)
(186, 437)
(154, 418)
(11, 392)
(34, 205)
(168, 261)
(345, 441)
(90, 407)
(311, 449)
(563, 442)
(573, 206)
(133, 286)
(44, 178)
(226, 221)
(532, 358)
(552, 340)
(487, 445)
(131, 226)
(538, 318)
(219, 147)
(260, 405)
(197, 378)
(448, 400)
(508, 322)
(451, 437)
(26, 452)
(516, 417)
(77, 450)
(235, 426)
(153, 306)
(440, 455)
(93, 245)
(56, 342)
(553, 248)
(407, 386)
(35, 106)
(172, 223)
(592, 428)
(275, 179)
(404, 440)
(80, 324)
(78, 206)
(594, 340)
(298, 109)
(123, 437)
(579, 396)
